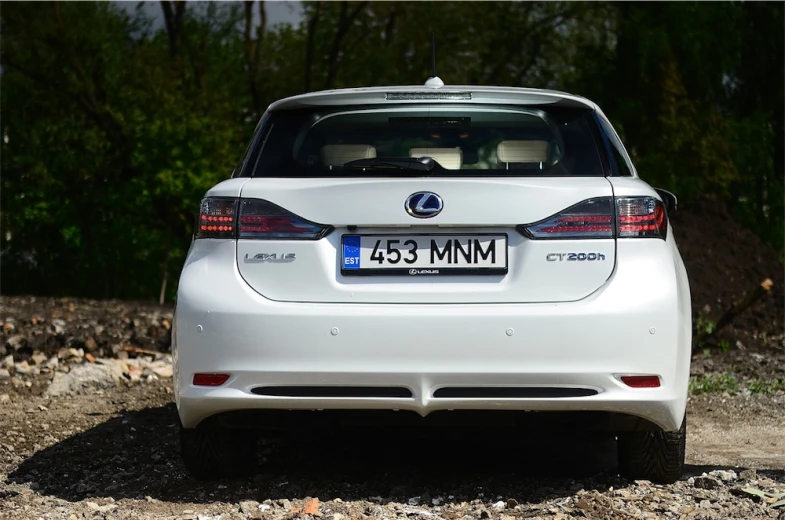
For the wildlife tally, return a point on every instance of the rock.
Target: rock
(500, 505)
(4, 398)
(748, 474)
(38, 358)
(23, 368)
(81, 379)
(58, 326)
(511, 502)
(249, 507)
(165, 370)
(90, 345)
(706, 482)
(335, 516)
(8, 361)
(16, 342)
(4, 374)
(725, 476)
(414, 501)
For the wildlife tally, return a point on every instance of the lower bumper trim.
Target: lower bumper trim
(333, 391)
(531, 392)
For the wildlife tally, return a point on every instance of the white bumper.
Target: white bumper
(637, 323)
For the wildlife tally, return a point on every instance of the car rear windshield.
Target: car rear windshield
(461, 140)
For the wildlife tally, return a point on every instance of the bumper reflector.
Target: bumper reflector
(641, 381)
(210, 379)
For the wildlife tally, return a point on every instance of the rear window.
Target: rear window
(462, 140)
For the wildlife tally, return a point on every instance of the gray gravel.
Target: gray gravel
(112, 454)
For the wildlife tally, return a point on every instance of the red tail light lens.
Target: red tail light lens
(641, 217)
(592, 218)
(260, 219)
(216, 218)
(641, 381)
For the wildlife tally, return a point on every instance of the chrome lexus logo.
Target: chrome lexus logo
(424, 204)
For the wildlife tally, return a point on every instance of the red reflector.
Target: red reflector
(641, 381)
(210, 379)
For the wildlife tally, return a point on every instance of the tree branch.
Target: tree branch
(344, 24)
(312, 23)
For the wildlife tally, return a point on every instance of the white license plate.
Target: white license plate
(415, 255)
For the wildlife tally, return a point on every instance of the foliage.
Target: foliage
(113, 129)
(713, 383)
(758, 386)
(727, 383)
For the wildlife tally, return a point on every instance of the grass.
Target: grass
(705, 324)
(757, 386)
(713, 384)
(728, 383)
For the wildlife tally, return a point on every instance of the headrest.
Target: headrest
(522, 151)
(449, 158)
(340, 154)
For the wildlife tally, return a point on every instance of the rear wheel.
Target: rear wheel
(212, 452)
(653, 455)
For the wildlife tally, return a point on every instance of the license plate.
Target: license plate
(423, 255)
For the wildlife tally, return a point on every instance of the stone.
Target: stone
(748, 474)
(249, 507)
(163, 370)
(58, 326)
(706, 482)
(81, 380)
(724, 475)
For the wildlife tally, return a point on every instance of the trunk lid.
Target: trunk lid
(476, 212)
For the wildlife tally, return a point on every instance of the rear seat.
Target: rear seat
(522, 154)
(340, 154)
(449, 158)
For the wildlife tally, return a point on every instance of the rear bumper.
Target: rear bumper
(634, 325)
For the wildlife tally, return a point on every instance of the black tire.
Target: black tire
(211, 452)
(653, 455)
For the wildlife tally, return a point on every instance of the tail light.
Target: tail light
(223, 217)
(630, 217)
(265, 220)
(217, 218)
(641, 217)
(591, 218)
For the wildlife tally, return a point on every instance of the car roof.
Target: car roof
(432, 94)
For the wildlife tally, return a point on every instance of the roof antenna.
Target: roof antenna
(434, 81)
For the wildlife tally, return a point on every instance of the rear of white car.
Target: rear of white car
(432, 251)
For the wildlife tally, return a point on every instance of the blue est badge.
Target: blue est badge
(351, 252)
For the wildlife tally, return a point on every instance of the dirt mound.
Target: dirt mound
(725, 261)
(72, 328)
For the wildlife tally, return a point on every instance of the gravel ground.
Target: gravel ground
(112, 453)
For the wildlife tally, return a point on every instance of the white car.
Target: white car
(427, 251)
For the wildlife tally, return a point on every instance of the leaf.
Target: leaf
(756, 492)
(311, 507)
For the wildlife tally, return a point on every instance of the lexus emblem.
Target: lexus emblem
(424, 204)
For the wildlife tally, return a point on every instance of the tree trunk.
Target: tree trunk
(165, 277)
